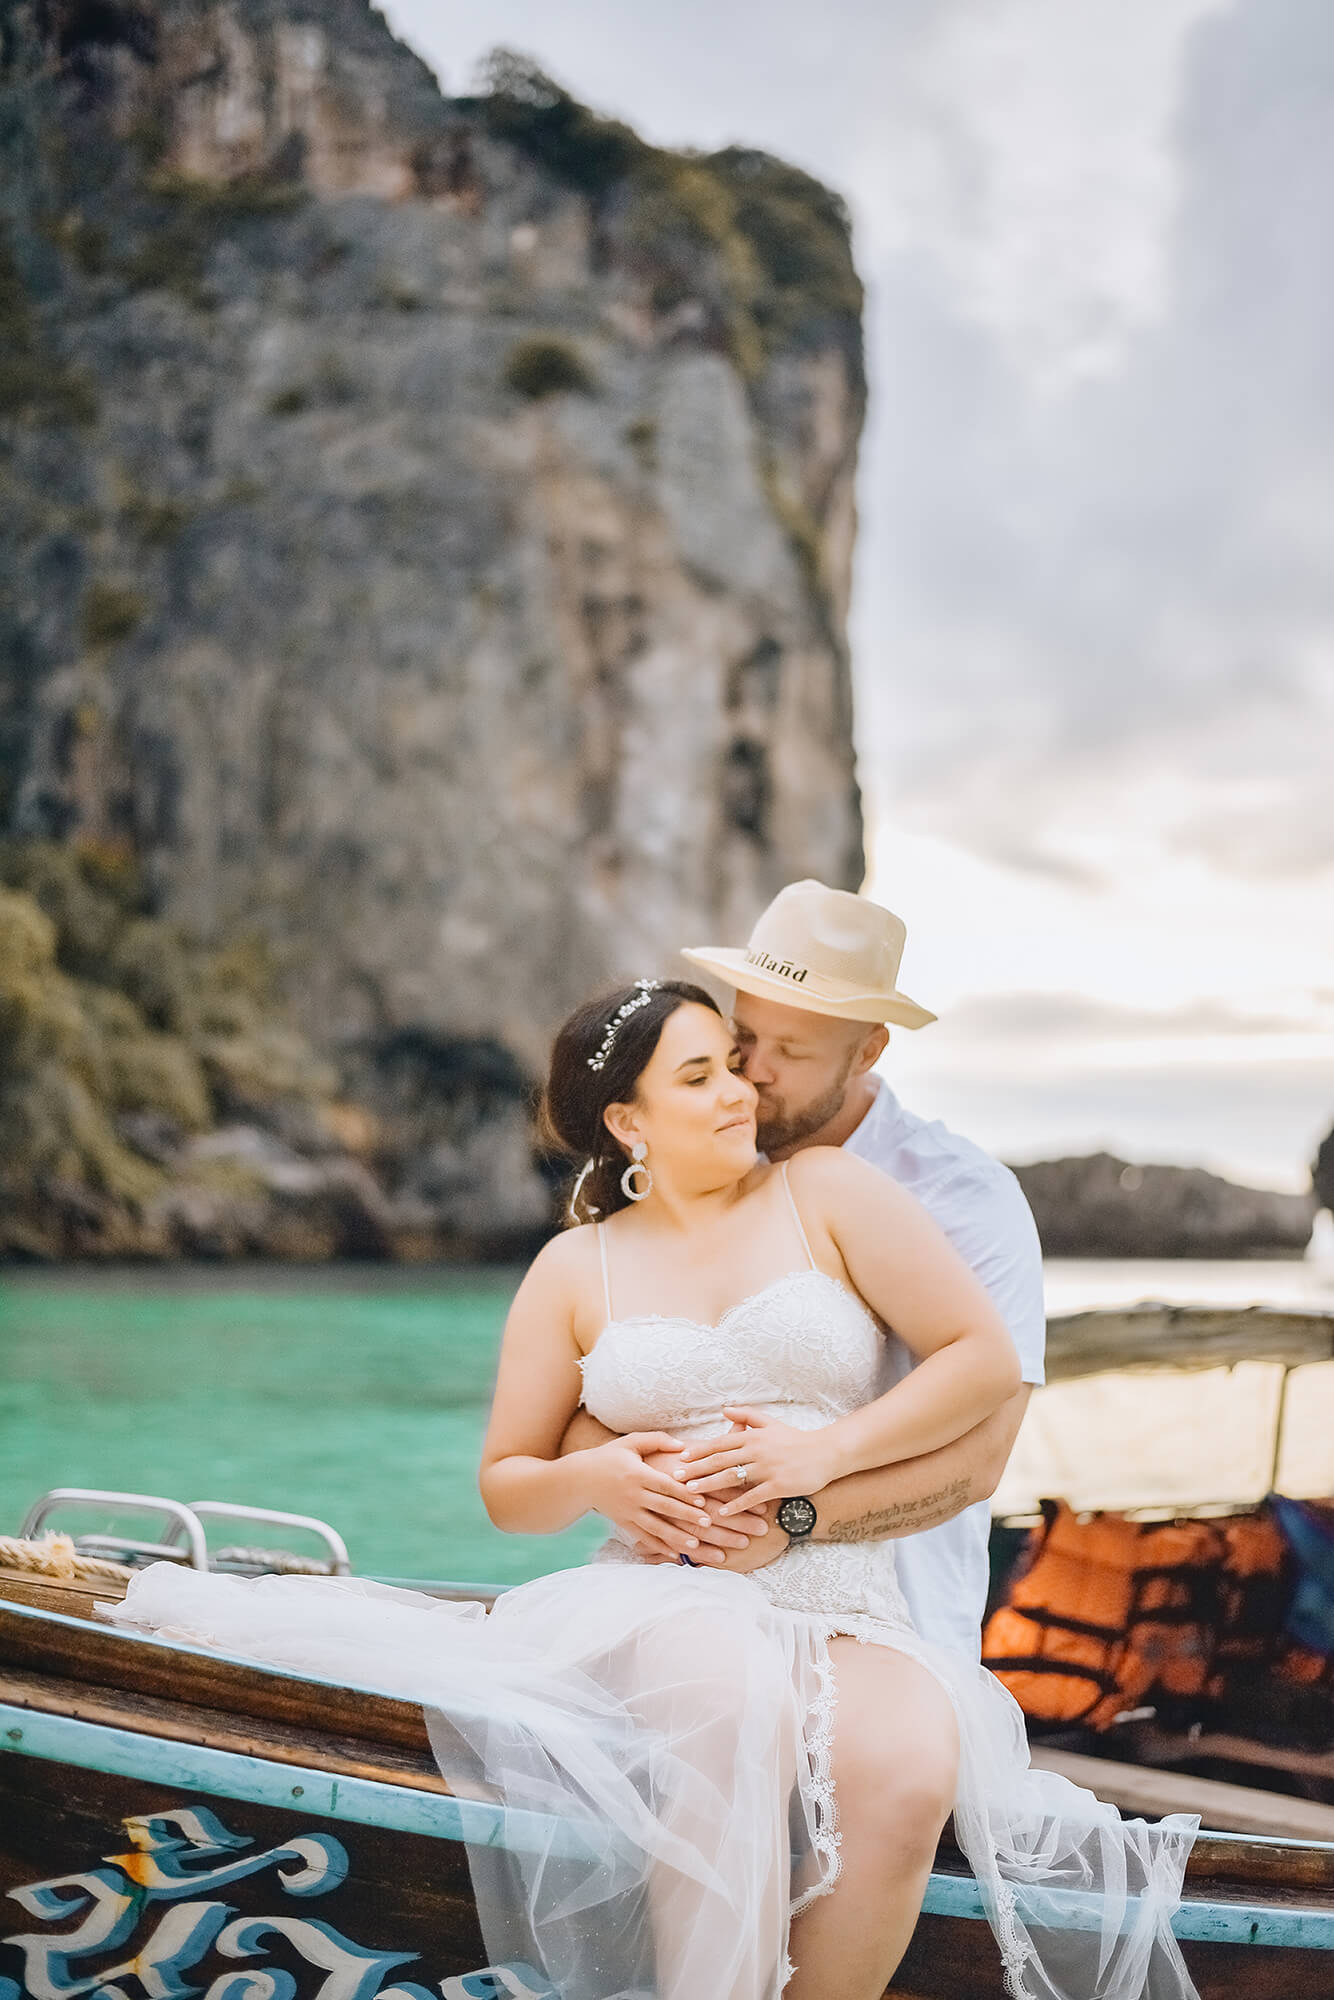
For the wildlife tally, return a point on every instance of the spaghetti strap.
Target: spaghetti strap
(606, 1280)
(796, 1216)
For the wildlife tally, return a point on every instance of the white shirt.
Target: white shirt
(981, 1208)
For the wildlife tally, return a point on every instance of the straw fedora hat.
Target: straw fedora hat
(824, 950)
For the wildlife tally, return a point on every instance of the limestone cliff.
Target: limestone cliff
(426, 523)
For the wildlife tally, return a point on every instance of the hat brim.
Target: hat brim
(734, 967)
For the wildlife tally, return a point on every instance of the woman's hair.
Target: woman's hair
(576, 1094)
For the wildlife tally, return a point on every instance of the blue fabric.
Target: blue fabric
(1309, 1534)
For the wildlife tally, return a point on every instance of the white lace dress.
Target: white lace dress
(661, 1735)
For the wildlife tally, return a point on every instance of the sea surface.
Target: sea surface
(359, 1394)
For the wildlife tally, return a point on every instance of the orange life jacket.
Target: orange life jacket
(1255, 1586)
(1304, 1668)
(1108, 1612)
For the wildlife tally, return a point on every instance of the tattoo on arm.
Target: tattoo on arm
(906, 1517)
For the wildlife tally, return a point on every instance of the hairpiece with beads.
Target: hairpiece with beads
(640, 998)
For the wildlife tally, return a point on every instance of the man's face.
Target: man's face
(801, 1065)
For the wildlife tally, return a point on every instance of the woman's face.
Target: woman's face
(693, 1109)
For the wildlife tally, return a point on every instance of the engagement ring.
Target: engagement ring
(742, 1474)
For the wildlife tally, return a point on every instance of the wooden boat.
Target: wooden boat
(173, 1821)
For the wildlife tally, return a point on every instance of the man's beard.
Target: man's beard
(777, 1129)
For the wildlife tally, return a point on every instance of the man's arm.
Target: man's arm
(893, 1500)
(923, 1492)
(584, 1432)
(904, 1499)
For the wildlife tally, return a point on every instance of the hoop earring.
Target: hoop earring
(637, 1166)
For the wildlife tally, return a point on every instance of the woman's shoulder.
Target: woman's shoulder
(816, 1168)
(565, 1261)
(829, 1181)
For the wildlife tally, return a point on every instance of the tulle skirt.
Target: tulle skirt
(661, 1739)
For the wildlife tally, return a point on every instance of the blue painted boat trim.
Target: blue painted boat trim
(224, 1774)
(1281, 1927)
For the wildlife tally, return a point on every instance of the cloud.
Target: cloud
(1258, 1121)
(1048, 1018)
(1130, 575)
(1026, 155)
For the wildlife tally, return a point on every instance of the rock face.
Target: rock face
(425, 535)
(428, 522)
(151, 1105)
(1105, 1207)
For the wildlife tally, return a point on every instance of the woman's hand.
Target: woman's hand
(645, 1502)
(779, 1461)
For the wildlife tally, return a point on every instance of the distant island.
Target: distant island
(1100, 1206)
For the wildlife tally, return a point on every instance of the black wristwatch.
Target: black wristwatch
(796, 1517)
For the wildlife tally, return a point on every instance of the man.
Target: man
(814, 988)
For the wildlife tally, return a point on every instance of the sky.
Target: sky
(1093, 623)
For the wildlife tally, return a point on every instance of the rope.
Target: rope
(56, 1555)
(278, 1562)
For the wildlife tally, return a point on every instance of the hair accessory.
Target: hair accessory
(584, 1172)
(643, 987)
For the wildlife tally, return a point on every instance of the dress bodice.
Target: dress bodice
(804, 1348)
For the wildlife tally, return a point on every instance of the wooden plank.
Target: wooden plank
(80, 1651)
(1221, 1807)
(1165, 1336)
(1232, 1863)
(215, 1729)
(1162, 1746)
(73, 1597)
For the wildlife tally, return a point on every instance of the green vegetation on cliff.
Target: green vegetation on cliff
(772, 244)
(538, 368)
(119, 1037)
(33, 381)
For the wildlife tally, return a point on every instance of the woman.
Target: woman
(675, 1727)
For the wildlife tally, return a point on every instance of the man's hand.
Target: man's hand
(761, 1549)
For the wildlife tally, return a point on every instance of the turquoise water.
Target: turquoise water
(360, 1398)
(358, 1394)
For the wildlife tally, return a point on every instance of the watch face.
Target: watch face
(796, 1516)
